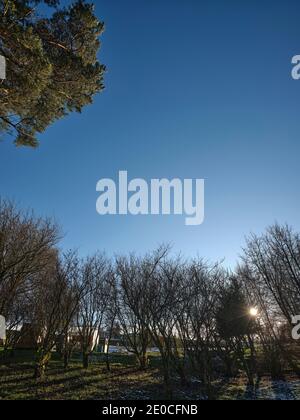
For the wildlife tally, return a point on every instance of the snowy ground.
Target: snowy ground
(266, 389)
(276, 390)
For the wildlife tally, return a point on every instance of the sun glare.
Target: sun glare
(253, 312)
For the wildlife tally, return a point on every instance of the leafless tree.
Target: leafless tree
(55, 303)
(270, 272)
(132, 309)
(19, 313)
(164, 301)
(274, 260)
(97, 276)
(26, 245)
(197, 324)
(110, 318)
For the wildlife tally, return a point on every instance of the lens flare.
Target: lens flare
(253, 312)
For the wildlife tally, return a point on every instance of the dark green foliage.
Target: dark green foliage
(233, 319)
(52, 66)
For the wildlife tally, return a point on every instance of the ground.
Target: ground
(125, 382)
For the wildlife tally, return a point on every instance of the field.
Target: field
(124, 381)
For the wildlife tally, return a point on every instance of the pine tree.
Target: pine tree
(52, 65)
(233, 318)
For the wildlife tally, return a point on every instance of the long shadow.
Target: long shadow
(252, 392)
(27, 382)
(96, 384)
(221, 387)
(283, 390)
(123, 391)
(77, 379)
(11, 368)
(13, 380)
(105, 387)
(36, 385)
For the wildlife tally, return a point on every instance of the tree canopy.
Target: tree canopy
(52, 65)
(233, 318)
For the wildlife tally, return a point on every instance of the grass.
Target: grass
(124, 381)
(96, 383)
(76, 384)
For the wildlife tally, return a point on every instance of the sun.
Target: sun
(253, 312)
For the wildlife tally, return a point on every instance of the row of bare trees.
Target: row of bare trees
(196, 314)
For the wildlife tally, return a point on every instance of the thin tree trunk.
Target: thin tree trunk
(41, 365)
(67, 357)
(85, 360)
(167, 381)
(143, 361)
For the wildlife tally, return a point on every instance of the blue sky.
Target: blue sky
(194, 89)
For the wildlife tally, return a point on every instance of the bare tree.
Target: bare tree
(274, 260)
(96, 275)
(270, 273)
(132, 309)
(164, 300)
(56, 301)
(197, 325)
(19, 313)
(110, 319)
(26, 244)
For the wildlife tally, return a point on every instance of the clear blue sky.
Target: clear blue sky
(194, 89)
